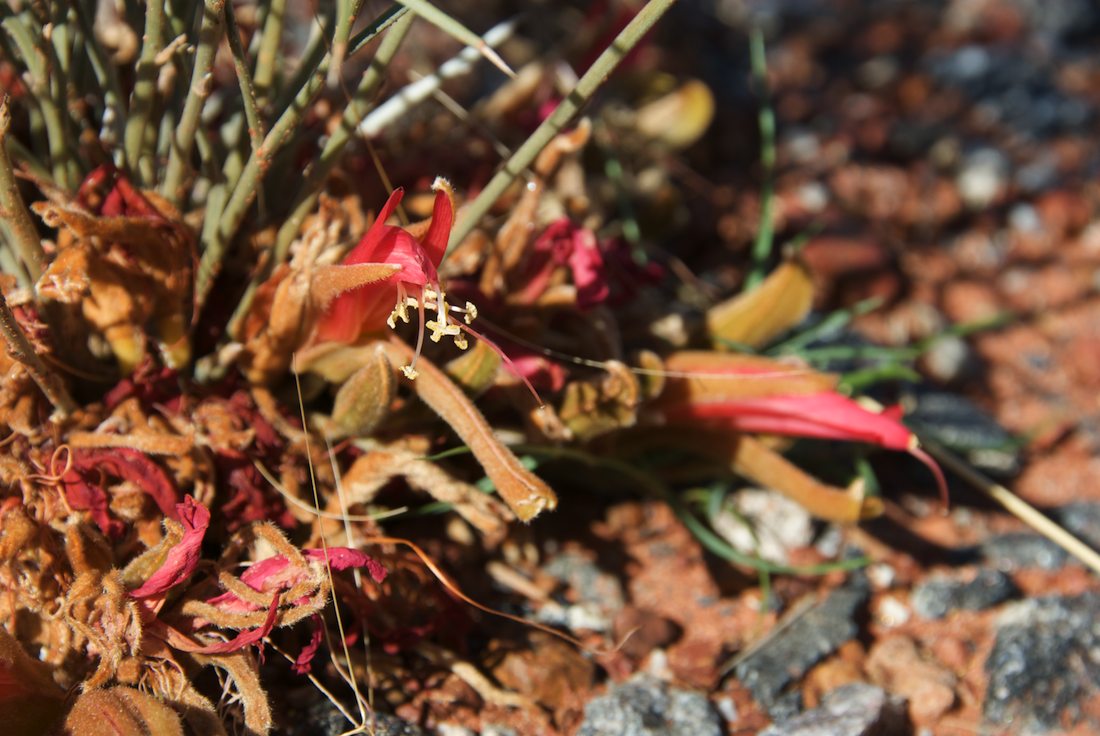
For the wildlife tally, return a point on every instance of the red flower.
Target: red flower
(765, 397)
(368, 308)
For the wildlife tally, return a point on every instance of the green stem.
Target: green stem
(269, 48)
(359, 105)
(145, 86)
(19, 221)
(245, 189)
(179, 157)
(244, 79)
(592, 80)
(765, 233)
(115, 111)
(62, 163)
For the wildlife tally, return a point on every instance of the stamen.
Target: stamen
(410, 369)
(401, 309)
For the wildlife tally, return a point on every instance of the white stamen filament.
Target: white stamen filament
(443, 325)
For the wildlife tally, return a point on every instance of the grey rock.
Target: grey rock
(937, 597)
(1017, 550)
(1045, 662)
(858, 709)
(961, 425)
(1082, 520)
(784, 659)
(645, 706)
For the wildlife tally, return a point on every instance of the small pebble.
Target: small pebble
(647, 707)
(1017, 550)
(937, 597)
(857, 709)
(791, 653)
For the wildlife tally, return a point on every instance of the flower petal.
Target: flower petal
(183, 558)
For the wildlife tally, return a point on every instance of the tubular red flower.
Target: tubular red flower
(822, 415)
(367, 308)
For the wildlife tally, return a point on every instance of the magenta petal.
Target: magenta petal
(586, 263)
(439, 231)
(341, 558)
(363, 251)
(183, 558)
(302, 664)
(244, 638)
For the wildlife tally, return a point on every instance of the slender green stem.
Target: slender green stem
(592, 80)
(20, 224)
(61, 149)
(244, 78)
(179, 157)
(359, 105)
(765, 232)
(114, 115)
(245, 189)
(145, 86)
(269, 49)
(20, 348)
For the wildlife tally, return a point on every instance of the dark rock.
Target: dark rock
(961, 425)
(322, 718)
(788, 655)
(647, 707)
(937, 597)
(857, 709)
(1017, 550)
(1045, 662)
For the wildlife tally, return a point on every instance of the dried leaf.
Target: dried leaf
(679, 118)
(525, 493)
(759, 316)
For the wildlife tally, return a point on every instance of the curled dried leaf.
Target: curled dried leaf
(757, 317)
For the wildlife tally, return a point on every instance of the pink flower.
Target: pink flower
(276, 574)
(183, 558)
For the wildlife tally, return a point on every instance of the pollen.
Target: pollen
(445, 324)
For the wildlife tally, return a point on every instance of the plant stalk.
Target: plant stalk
(592, 80)
(24, 233)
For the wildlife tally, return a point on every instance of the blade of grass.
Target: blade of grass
(454, 28)
(1015, 505)
(145, 88)
(586, 87)
(210, 33)
(20, 225)
(765, 233)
